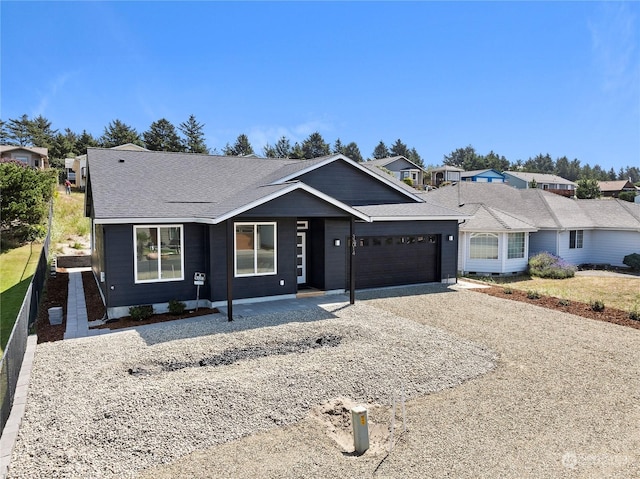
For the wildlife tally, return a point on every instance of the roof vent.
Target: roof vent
(120, 160)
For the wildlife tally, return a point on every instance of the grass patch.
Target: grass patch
(618, 293)
(68, 217)
(18, 267)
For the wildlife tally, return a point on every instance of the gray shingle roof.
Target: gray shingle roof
(164, 186)
(539, 208)
(409, 211)
(540, 177)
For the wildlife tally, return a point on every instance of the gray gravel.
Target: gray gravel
(119, 404)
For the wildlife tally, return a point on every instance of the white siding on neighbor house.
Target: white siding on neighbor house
(543, 241)
(610, 247)
(502, 265)
(575, 256)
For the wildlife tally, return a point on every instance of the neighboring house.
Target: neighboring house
(544, 181)
(611, 189)
(482, 176)
(68, 169)
(508, 222)
(258, 228)
(402, 169)
(445, 174)
(33, 156)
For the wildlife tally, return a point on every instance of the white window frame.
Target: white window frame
(512, 237)
(480, 236)
(159, 279)
(578, 239)
(255, 225)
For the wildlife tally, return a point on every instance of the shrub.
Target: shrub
(596, 305)
(408, 181)
(176, 307)
(508, 291)
(532, 294)
(546, 265)
(632, 261)
(138, 313)
(635, 314)
(564, 302)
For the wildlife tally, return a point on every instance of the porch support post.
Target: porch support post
(352, 271)
(230, 249)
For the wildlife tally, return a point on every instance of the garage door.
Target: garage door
(396, 260)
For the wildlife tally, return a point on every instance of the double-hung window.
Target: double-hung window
(575, 239)
(158, 253)
(515, 246)
(483, 246)
(255, 249)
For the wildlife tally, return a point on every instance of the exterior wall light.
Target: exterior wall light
(336, 242)
(450, 237)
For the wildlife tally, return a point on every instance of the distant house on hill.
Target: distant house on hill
(32, 156)
(482, 176)
(445, 174)
(401, 168)
(612, 189)
(544, 181)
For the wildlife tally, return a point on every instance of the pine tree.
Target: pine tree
(314, 146)
(193, 136)
(241, 147)
(162, 136)
(381, 151)
(19, 131)
(282, 149)
(352, 151)
(117, 133)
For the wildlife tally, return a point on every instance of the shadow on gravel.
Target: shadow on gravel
(218, 324)
(403, 291)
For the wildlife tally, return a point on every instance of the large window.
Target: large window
(255, 249)
(515, 246)
(575, 239)
(159, 253)
(483, 246)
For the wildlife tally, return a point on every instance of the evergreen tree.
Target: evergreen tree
(162, 136)
(85, 140)
(282, 149)
(19, 131)
(588, 189)
(465, 158)
(4, 134)
(338, 147)
(315, 146)
(399, 149)
(64, 146)
(352, 151)
(241, 147)
(42, 135)
(415, 157)
(296, 152)
(117, 133)
(193, 136)
(380, 151)
(495, 161)
(540, 164)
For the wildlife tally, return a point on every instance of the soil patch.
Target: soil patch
(610, 315)
(55, 294)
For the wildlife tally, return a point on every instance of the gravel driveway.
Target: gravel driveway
(493, 388)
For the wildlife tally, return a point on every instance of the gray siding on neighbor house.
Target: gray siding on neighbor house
(120, 286)
(543, 241)
(352, 186)
(514, 181)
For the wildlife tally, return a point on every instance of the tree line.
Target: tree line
(189, 137)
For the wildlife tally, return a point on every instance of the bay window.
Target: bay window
(483, 246)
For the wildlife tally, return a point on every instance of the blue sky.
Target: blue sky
(517, 78)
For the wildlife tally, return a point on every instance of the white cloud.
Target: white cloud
(53, 88)
(259, 136)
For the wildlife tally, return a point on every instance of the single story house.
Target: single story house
(611, 189)
(509, 225)
(401, 168)
(33, 156)
(445, 174)
(552, 183)
(256, 228)
(487, 176)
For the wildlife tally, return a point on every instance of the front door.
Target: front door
(301, 257)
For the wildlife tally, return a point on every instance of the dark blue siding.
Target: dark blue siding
(351, 186)
(120, 286)
(298, 203)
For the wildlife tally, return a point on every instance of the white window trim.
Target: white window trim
(135, 255)
(255, 224)
(486, 235)
(524, 245)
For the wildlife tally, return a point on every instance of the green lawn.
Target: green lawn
(17, 267)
